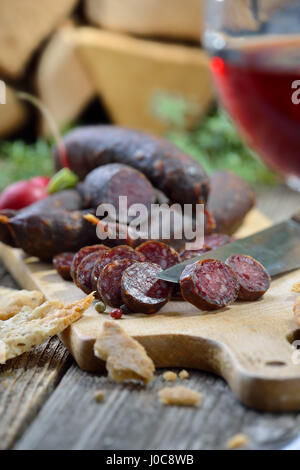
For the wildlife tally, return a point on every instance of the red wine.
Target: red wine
(255, 84)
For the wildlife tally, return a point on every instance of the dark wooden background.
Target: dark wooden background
(47, 402)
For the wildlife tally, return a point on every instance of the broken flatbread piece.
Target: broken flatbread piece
(296, 288)
(31, 327)
(126, 359)
(297, 310)
(12, 301)
(179, 396)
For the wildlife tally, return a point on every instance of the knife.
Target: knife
(276, 248)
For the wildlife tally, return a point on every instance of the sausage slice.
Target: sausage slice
(209, 285)
(159, 253)
(253, 278)
(142, 292)
(109, 282)
(62, 264)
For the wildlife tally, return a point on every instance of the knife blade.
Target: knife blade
(276, 248)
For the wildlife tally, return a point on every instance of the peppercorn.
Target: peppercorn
(125, 310)
(116, 314)
(100, 307)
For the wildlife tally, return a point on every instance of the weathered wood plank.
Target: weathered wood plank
(26, 382)
(131, 418)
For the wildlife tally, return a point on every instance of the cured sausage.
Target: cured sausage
(105, 185)
(211, 243)
(69, 200)
(169, 169)
(230, 199)
(159, 253)
(5, 234)
(115, 254)
(109, 283)
(52, 226)
(253, 278)
(142, 292)
(185, 255)
(85, 251)
(62, 264)
(47, 234)
(84, 270)
(209, 285)
(217, 240)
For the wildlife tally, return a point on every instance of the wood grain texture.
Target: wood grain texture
(131, 418)
(26, 382)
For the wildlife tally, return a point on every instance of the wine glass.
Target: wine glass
(255, 62)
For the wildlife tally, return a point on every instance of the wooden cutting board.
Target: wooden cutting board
(248, 344)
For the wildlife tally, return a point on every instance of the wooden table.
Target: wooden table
(47, 402)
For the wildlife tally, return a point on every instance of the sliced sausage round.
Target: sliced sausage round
(84, 271)
(87, 250)
(159, 253)
(109, 282)
(253, 278)
(185, 255)
(62, 264)
(117, 253)
(217, 240)
(209, 285)
(142, 292)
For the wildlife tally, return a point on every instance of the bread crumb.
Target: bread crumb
(183, 375)
(179, 396)
(237, 441)
(297, 310)
(126, 359)
(170, 376)
(99, 396)
(296, 288)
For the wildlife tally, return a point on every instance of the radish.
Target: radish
(24, 193)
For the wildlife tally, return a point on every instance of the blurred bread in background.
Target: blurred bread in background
(128, 72)
(23, 26)
(62, 82)
(162, 18)
(135, 50)
(13, 114)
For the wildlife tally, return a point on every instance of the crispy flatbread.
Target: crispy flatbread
(12, 301)
(31, 327)
(296, 288)
(126, 359)
(297, 310)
